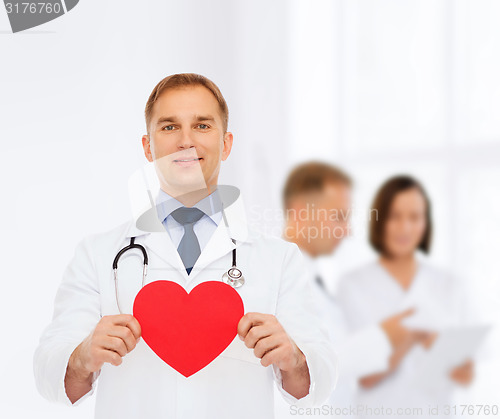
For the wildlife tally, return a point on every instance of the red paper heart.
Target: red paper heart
(188, 331)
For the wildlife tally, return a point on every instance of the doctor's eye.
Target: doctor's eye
(169, 128)
(203, 126)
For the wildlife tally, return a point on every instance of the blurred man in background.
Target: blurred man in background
(317, 205)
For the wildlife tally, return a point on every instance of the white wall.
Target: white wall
(375, 86)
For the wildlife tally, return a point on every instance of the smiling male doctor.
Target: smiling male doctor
(280, 340)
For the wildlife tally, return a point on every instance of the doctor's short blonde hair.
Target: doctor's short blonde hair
(183, 80)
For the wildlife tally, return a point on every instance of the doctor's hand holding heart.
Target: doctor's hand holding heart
(113, 337)
(186, 140)
(272, 345)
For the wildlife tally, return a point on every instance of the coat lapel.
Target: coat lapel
(220, 244)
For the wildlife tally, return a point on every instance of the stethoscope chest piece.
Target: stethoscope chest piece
(233, 277)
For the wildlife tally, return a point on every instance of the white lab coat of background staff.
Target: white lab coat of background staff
(400, 279)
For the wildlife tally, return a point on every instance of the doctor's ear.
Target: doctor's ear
(228, 144)
(146, 145)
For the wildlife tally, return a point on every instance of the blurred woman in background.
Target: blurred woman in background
(401, 279)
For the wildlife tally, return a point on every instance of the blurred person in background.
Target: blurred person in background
(400, 279)
(317, 205)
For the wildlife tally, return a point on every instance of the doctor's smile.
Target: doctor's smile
(187, 162)
(147, 314)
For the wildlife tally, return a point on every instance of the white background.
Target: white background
(378, 87)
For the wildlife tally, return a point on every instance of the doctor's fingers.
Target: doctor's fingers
(127, 320)
(425, 338)
(112, 343)
(278, 355)
(259, 332)
(110, 356)
(269, 343)
(125, 334)
(250, 320)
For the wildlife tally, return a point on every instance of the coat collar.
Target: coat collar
(157, 239)
(211, 205)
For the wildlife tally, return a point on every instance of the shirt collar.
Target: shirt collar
(211, 205)
(234, 213)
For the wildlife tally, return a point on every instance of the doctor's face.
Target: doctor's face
(406, 224)
(186, 140)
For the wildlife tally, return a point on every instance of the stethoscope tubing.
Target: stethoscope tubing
(234, 276)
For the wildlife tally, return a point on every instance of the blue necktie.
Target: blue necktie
(189, 247)
(320, 282)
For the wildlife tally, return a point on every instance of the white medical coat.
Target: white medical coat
(235, 384)
(369, 295)
(363, 352)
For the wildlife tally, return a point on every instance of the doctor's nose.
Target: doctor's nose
(185, 141)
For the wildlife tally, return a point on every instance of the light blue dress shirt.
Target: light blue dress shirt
(211, 205)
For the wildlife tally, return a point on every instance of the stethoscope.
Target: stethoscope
(233, 276)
